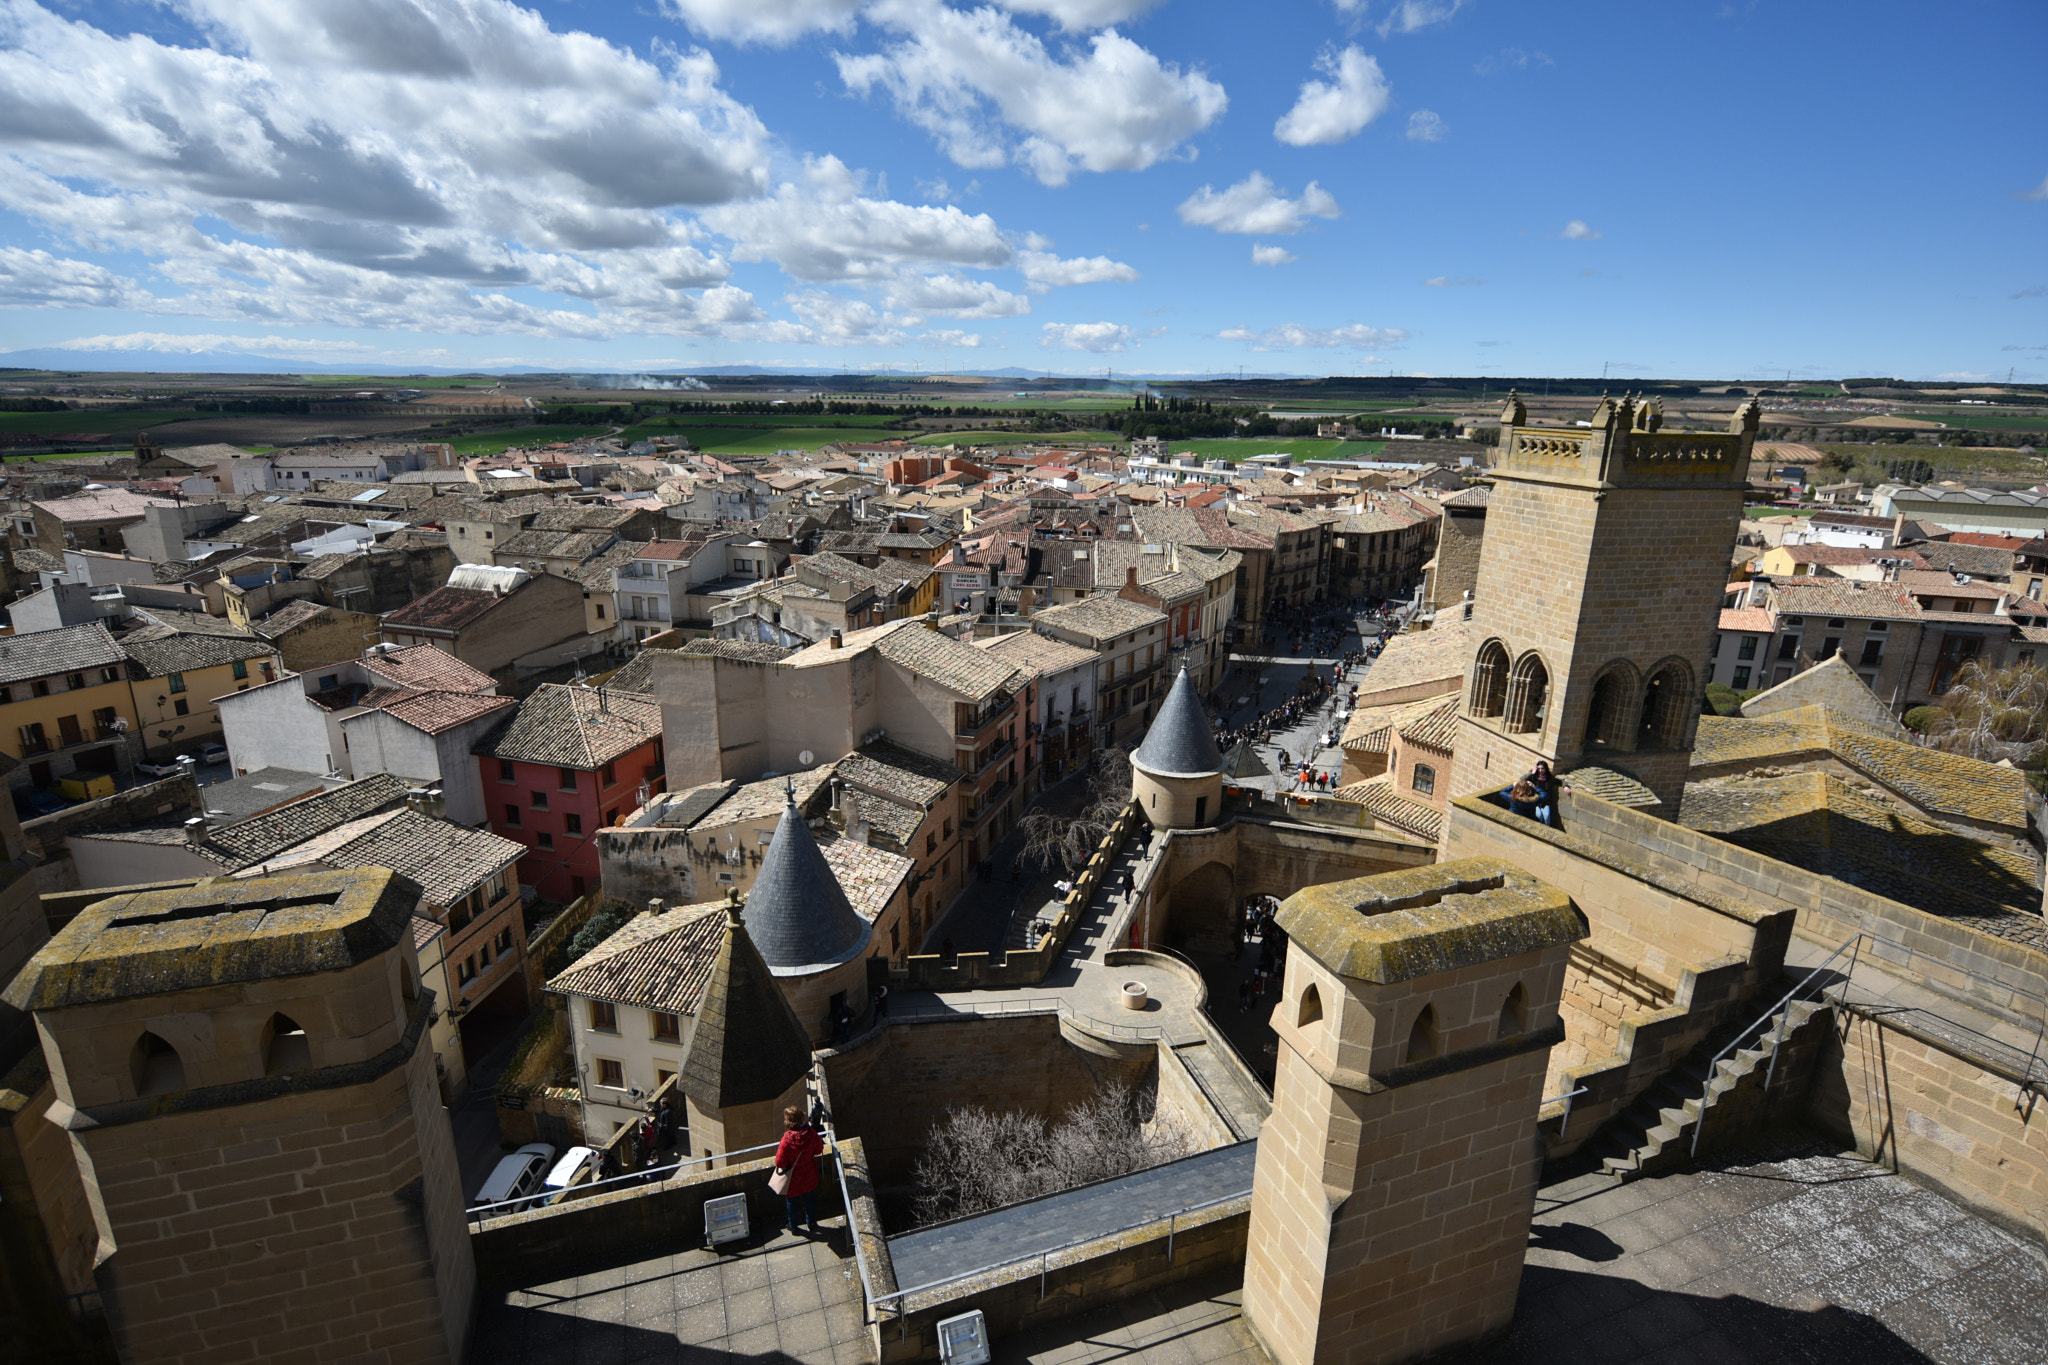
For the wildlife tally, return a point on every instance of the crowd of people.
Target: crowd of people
(1259, 927)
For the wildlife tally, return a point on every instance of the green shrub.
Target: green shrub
(609, 919)
(1724, 699)
(1921, 719)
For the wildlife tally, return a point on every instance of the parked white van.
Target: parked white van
(517, 1176)
(577, 1165)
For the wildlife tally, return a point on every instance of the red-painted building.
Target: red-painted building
(566, 763)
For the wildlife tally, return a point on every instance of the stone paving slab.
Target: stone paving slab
(971, 1244)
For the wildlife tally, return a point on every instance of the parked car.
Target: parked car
(36, 801)
(516, 1177)
(577, 1165)
(214, 753)
(168, 768)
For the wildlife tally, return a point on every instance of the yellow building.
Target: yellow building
(65, 705)
(177, 677)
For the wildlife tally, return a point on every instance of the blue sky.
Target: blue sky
(1687, 188)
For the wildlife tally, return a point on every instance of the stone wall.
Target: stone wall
(1965, 1124)
(1109, 1270)
(155, 802)
(1459, 536)
(891, 1087)
(48, 1240)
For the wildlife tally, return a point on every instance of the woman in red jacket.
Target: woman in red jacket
(798, 1156)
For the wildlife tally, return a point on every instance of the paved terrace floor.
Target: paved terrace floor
(1784, 1254)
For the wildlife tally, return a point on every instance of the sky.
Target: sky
(1692, 188)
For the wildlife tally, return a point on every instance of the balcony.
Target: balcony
(994, 756)
(988, 718)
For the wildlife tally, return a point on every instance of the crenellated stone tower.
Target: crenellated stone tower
(1397, 1174)
(1600, 581)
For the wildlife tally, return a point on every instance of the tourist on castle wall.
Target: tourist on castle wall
(796, 1169)
(1547, 785)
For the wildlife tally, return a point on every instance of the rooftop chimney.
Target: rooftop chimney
(195, 830)
(837, 640)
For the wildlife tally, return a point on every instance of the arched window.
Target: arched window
(1311, 1010)
(1528, 691)
(1490, 679)
(1668, 704)
(155, 1066)
(1425, 780)
(285, 1049)
(1422, 1039)
(1610, 716)
(1514, 1017)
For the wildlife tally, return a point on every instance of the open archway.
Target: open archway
(1528, 694)
(1423, 1042)
(1201, 911)
(1489, 679)
(1514, 1014)
(1611, 712)
(286, 1049)
(1669, 704)
(155, 1066)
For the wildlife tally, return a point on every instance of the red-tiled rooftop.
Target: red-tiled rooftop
(445, 609)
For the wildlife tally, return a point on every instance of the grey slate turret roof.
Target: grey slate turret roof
(797, 914)
(747, 1046)
(1180, 743)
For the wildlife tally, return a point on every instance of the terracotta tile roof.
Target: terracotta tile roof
(41, 653)
(1387, 806)
(901, 774)
(425, 931)
(870, 877)
(444, 609)
(1747, 620)
(448, 860)
(1610, 784)
(291, 614)
(660, 962)
(573, 727)
(173, 652)
(429, 669)
(1371, 729)
(1435, 726)
(432, 712)
(1415, 657)
(1844, 597)
(1035, 653)
(266, 836)
(952, 664)
(1934, 781)
(745, 651)
(1102, 617)
(110, 504)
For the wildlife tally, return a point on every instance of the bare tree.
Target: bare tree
(976, 1160)
(1994, 714)
(1070, 840)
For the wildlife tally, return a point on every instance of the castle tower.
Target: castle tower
(244, 1077)
(748, 1053)
(808, 933)
(1600, 582)
(1176, 773)
(1397, 1174)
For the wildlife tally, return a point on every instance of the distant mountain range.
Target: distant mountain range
(238, 362)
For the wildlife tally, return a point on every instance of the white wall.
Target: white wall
(634, 1047)
(274, 726)
(109, 862)
(380, 743)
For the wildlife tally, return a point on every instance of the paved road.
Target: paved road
(979, 918)
(1058, 1220)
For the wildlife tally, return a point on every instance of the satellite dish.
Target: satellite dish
(806, 758)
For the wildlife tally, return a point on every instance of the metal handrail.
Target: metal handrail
(1045, 1256)
(860, 1257)
(1565, 1099)
(477, 1212)
(1853, 947)
(1037, 1005)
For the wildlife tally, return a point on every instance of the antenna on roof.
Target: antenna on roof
(789, 789)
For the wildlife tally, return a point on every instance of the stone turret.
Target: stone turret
(748, 1055)
(808, 933)
(1177, 773)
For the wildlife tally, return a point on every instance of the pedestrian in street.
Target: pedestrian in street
(1244, 995)
(1130, 884)
(796, 1169)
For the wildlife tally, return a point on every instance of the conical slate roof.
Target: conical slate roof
(1243, 761)
(796, 914)
(748, 1046)
(1180, 744)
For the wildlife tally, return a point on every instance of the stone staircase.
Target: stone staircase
(1656, 1132)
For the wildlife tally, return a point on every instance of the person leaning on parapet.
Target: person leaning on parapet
(1547, 784)
(1521, 798)
(796, 1168)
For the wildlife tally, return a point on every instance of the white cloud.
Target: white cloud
(1272, 255)
(36, 279)
(1292, 336)
(1409, 15)
(1511, 59)
(1100, 337)
(195, 343)
(1075, 15)
(1329, 111)
(1446, 282)
(991, 93)
(764, 21)
(1425, 126)
(1045, 270)
(1966, 375)
(1254, 207)
(1577, 231)
(2037, 194)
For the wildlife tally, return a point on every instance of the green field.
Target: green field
(1966, 419)
(1233, 448)
(1016, 438)
(491, 442)
(396, 381)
